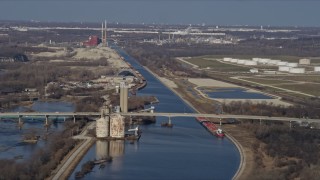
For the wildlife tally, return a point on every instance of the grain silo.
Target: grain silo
(297, 70)
(116, 126)
(304, 61)
(102, 127)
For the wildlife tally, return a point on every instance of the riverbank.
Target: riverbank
(243, 156)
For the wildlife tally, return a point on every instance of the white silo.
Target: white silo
(284, 68)
(234, 60)
(292, 64)
(250, 63)
(304, 61)
(241, 61)
(102, 127)
(227, 59)
(255, 59)
(317, 69)
(297, 70)
(282, 63)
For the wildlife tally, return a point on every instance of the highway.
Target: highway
(218, 116)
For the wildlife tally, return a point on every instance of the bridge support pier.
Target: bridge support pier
(220, 122)
(46, 123)
(20, 122)
(260, 122)
(74, 119)
(290, 125)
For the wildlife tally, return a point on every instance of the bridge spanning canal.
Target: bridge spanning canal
(98, 114)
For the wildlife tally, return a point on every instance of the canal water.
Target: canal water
(11, 145)
(186, 151)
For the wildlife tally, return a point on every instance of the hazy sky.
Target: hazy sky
(216, 12)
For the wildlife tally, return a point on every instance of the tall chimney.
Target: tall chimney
(105, 32)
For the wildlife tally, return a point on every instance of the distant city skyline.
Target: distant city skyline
(213, 12)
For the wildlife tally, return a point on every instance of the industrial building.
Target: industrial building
(297, 70)
(317, 69)
(92, 41)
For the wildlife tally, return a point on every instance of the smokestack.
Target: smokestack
(105, 33)
(102, 35)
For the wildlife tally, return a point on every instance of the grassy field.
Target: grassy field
(267, 81)
(308, 88)
(216, 65)
(313, 78)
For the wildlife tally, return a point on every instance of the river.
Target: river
(11, 145)
(187, 151)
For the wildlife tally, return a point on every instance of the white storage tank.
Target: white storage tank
(297, 70)
(292, 64)
(234, 60)
(102, 127)
(255, 59)
(263, 61)
(227, 59)
(284, 68)
(304, 61)
(317, 69)
(274, 62)
(241, 61)
(250, 63)
(282, 63)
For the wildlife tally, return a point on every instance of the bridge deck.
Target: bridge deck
(218, 116)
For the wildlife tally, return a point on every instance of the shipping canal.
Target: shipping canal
(186, 151)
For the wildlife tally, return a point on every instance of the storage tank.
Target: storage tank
(304, 61)
(274, 62)
(250, 63)
(102, 127)
(234, 60)
(317, 69)
(255, 59)
(227, 59)
(282, 63)
(116, 126)
(297, 70)
(241, 61)
(292, 64)
(284, 68)
(263, 61)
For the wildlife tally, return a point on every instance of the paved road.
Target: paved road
(219, 116)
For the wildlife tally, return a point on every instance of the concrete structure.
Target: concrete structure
(102, 127)
(123, 97)
(117, 89)
(116, 126)
(284, 68)
(317, 69)
(297, 70)
(304, 61)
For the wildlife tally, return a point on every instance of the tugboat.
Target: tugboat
(219, 133)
